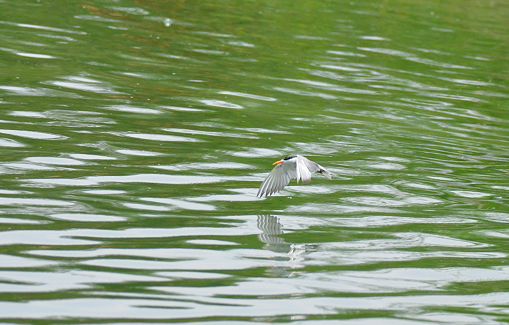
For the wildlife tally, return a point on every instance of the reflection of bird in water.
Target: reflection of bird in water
(271, 228)
(288, 168)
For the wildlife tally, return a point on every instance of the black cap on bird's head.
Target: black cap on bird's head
(283, 160)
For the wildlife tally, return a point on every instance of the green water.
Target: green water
(135, 134)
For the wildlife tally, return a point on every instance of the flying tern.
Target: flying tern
(288, 168)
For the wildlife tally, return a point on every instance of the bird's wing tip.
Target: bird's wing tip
(326, 173)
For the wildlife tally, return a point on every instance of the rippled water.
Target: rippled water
(135, 136)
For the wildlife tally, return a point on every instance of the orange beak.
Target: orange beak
(278, 162)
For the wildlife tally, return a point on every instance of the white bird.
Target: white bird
(288, 168)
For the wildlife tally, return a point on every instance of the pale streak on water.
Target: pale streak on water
(134, 144)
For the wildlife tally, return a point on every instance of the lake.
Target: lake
(135, 135)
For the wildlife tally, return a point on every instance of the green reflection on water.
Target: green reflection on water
(165, 117)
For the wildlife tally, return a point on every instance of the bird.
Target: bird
(288, 168)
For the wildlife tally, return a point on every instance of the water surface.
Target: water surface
(135, 136)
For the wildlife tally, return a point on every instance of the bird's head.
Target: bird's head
(283, 160)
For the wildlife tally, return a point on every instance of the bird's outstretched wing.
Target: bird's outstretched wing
(305, 164)
(278, 178)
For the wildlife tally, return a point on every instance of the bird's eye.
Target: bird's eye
(289, 157)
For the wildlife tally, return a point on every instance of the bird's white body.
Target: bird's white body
(288, 168)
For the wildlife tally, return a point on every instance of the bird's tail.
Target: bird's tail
(325, 173)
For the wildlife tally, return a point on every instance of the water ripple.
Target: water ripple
(211, 133)
(156, 137)
(251, 96)
(27, 281)
(135, 307)
(143, 207)
(182, 204)
(33, 201)
(132, 109)
(82, 217)
(53, 29)
(10, 143)
(207, 166)
(138, 178)
(33, 134)
(220, 103)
